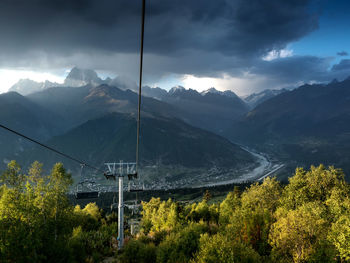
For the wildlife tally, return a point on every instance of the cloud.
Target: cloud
(343, 53)
(274, 54)
(236, 42)
(344, 64)
(239, 29)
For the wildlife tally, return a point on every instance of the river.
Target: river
(264, 169)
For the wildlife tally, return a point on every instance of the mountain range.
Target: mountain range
(308, 125)
(211, 110)
(96, 122)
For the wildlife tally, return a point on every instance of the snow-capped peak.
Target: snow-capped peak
(227, 93)
(211, 90)
(176, 89)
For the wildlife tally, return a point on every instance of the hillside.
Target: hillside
(210, 110)
(308, 125)
(24, 116)
(166, 143)
(84, 95)
(78, 105)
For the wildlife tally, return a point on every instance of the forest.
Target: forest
(305, 220)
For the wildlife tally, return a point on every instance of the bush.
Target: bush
(223, 249)
(136, 251)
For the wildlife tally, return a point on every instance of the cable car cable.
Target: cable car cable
(50, 148)
(140, 85)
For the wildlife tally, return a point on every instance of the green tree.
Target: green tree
(224, 249)
(34, 214)
(180, 246)
(317, 184)
(229, 206)
(136, 251)
(339, 236)
(251, 217)
(159, 215)
(300, 234)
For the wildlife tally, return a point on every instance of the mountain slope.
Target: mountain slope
(168, 143)
(20, 114)
(255, 99)
(310, 124)
(211, 110)
(77, 105)
(113, 137)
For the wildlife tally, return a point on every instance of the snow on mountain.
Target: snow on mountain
(176, 89)
(76, 78)
(255, 99)
(227, 93)
(27, 86)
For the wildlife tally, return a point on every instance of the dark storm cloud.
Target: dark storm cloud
(295, 70)
(242, 28)
(203, 38)
(343, 53)
(344, 64)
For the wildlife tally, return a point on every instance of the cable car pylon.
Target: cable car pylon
(122, 169)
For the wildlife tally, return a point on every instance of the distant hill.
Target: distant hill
(77, 105)
(211, 110)
(166, 142)
(309, 125)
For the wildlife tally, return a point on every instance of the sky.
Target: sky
(242, 45)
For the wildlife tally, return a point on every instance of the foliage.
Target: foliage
(298, 233)
(307, 220)
(181, 246)
(340, 237)
(34, 211)
(38, 224)
(135, 251)
(224, 249)
(159, 215)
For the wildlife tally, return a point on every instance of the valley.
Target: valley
(186, 135)
(266, 167)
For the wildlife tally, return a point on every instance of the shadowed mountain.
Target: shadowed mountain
(74, 100)
(169, 142)
(77, 105)
(310, 124)
(20, 114)
(211, 110)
